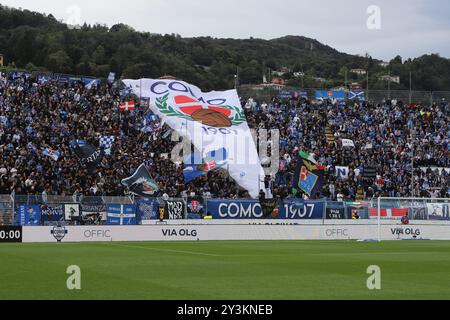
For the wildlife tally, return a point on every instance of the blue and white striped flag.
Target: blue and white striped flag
(54, 154)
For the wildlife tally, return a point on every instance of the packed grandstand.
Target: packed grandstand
(391, 141)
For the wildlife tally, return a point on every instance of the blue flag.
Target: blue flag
(54, 154)
(330, 94)
(309, 176)
(149, 118)
(121, 214)
(195, 166)
(77, 143)
(353, 95)
(90, 82)
(29, 215)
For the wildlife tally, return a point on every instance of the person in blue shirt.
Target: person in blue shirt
(405, 219)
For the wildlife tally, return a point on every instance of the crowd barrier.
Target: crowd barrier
(110, 219)
(418, 97)
(214, 232)
(80, 210)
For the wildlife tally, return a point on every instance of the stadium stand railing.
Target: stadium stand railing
(10, 205)
(267, 93)
(40, 199)
(417, 97)
(391, 208)
(6, 210)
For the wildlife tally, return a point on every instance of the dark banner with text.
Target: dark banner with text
(289, 209)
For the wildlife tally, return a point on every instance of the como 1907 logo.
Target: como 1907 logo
(193, 109)
(59, 232)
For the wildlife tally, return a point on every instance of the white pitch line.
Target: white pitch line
(370, 253)
(167, 250)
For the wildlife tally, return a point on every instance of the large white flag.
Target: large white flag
(212, 121)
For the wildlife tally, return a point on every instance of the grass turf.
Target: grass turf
(274, 270)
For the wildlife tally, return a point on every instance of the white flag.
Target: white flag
(92, 83)
(212, 121)
(342, 173)
(111, 77)
(348, 143)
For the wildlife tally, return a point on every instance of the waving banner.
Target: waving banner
(211, 121)
(141, 183)
(309, 176)
(213, 161)
(88, 154)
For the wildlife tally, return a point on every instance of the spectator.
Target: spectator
(35, 116)
(405, 219)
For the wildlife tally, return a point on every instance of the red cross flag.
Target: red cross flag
(127, 106)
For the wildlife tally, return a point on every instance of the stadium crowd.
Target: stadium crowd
(36, 116)
(389, 136)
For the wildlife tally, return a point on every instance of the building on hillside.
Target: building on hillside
(255, 87)
(394, 79)
(359, 71)
(355, 86)
(384, 64)
(168, 77)
(275, 86)
(278, 81)
(319, 79)
(299, 74)
(276, 73)
(263, 86)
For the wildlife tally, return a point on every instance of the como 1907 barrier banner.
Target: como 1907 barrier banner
(232, 232)
(296, 209)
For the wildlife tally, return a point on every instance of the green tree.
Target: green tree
(60, 62)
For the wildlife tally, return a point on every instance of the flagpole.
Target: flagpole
(389, 85)
(412, 170)
(345, 78)
(410, 88)
(367, 85)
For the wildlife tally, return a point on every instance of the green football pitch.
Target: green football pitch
(274, 270)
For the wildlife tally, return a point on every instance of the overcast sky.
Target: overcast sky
(407, 28)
